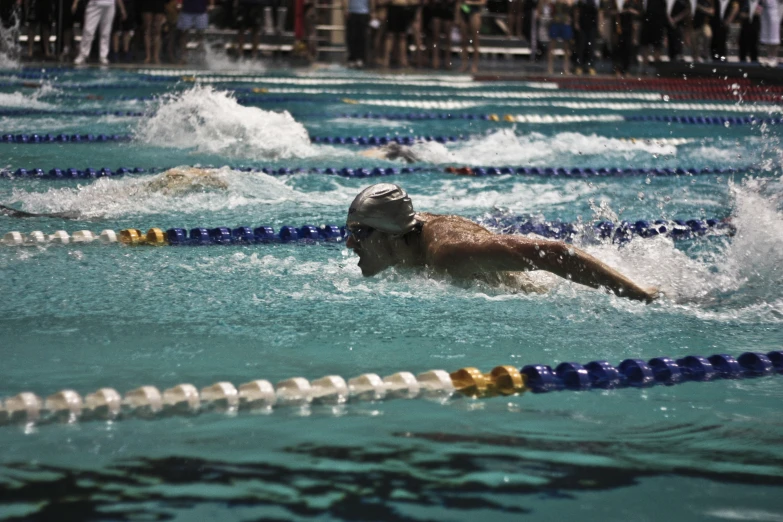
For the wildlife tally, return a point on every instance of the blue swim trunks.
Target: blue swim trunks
(560, 32)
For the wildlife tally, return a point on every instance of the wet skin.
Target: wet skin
(462, 249)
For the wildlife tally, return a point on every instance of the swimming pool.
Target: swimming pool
(87, 316)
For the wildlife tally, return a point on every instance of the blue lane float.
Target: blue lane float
(63, 138)
(657, 371)
(374, 172)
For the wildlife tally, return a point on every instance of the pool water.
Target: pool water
(86, 316)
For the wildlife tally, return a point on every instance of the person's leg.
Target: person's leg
(464, 29)
(402, 44)
(92, 15)
(753, 38)
(31, 30)
(45, 33)
(183, 45)
(436, 38)
(147, 21)
(567, 57)
(157, 28)
(362, 36)
(255, 39)
(475, 27)
(107, 17)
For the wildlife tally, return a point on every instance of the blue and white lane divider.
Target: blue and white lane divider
(372, 172)
(422, 116)
(147, 402)
(202, 236)
(331, 140)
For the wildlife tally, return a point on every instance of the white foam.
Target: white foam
(23, 101)
(504, 147)
(132, 196)
(217, 61)
(209, 120)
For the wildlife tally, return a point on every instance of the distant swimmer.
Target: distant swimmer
(15, 213)
(186, 180)
(392, 151)
(385, 232)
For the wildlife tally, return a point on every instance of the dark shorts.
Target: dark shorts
(468, 10)
(41, 12)
(560, 32)
(399, 18)
(444, 11)
(129, 24)
(152, 6)
(251, 16)
(652, 33)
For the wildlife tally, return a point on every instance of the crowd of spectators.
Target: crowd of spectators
(422, 33)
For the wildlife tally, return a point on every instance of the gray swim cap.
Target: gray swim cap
(385, 207)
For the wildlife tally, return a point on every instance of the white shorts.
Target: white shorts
(770, 23)
(192, 21)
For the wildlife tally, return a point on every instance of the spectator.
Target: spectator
(470, 25)
(625, 27)
(152, 16)
(97, 12)
(514, 18)
(654, 23)
(676, 18)
(250, 15)
(586, 19)
(40, 17)
(560, 31)
(357, 23)
(66, 20)
(770, 30)
(123, 31)
(193, 17)
(726, 12)
(401, 14)
(702, 30)
(750, 20)
(443, 12)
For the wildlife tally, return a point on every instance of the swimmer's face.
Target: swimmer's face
(373, 248)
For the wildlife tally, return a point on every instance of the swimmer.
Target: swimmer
(392, 151)
(385, 232)
(186, 180)
(12, 212)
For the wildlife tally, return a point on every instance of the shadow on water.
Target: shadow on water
(382, 482)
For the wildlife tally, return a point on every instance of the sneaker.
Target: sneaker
(79, 60)
(104, 61)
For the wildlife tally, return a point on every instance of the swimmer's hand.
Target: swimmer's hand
(653, 293)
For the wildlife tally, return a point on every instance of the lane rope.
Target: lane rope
(619, 232)
(370, 172)
(147, 402)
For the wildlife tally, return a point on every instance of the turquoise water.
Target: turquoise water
(88, 316)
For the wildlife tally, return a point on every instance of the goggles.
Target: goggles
(360, 233)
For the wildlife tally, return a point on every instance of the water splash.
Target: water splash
(218, 61)
(9, 44)
(219, 189)
(212, 121)
(505, 147)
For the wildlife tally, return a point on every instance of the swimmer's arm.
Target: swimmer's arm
(511, 254)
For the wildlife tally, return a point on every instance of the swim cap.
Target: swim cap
(385, 207)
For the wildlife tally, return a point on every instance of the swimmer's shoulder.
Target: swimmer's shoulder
(447, 226)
